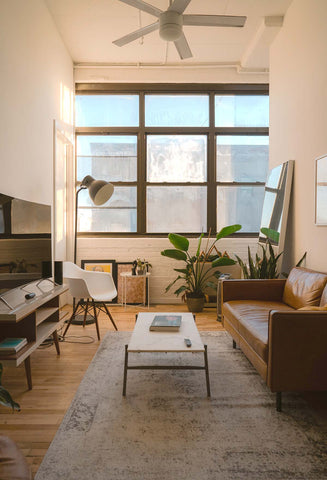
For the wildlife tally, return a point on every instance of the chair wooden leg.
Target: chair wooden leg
(109, 315)
(56, 341)
(234, 344)
(72, 317)
(96, 319)
(85, 312)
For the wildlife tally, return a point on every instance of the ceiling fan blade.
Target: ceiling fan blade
(145, 7)
(179, 5)
(214, 20)
(137, 34)
(183, 47)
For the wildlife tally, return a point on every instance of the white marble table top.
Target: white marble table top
(142, 340)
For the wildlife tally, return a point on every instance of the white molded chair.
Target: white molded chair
(92, 289)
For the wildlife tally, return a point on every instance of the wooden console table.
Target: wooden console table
(35, 319)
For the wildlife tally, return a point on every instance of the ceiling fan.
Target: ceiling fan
(170, 24)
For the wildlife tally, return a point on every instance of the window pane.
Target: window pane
(176, 209)
(176, 110)
(107, 110)
(111, 158)
(241, 205)
(176, 158)
(117, 215)
(242, 158)
(241, 110)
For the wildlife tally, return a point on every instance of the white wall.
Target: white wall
(298, 119)
(36, 81)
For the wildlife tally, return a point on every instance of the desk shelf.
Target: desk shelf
(36, 320)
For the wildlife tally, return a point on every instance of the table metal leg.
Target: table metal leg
(125, 371)
(207, 370)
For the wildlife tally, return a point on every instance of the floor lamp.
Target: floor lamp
(100, 192)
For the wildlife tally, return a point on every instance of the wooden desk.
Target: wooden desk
(36, 319)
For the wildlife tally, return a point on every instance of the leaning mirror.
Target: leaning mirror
(276, 202)
(321, 191)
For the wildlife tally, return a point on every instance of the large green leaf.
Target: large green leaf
(181, 289)
(6, 400)
(179, 242)
(175, 254)
(223, 262)
(271, 234)
(199, 245)
(224, 232)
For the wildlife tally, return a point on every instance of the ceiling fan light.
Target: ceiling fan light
(170, 26)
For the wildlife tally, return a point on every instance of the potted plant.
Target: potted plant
(199, 269)
(5, 397)
(142, 266)
(265, 266)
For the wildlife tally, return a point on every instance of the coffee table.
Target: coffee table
(142, 340)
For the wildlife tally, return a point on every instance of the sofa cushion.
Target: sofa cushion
(323, 300)
(304, 287)
(250, 319)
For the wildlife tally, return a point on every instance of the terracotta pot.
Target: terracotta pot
(195, 304)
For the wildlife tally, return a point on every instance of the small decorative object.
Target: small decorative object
(142, 266)
(200, 269)
(134, 267)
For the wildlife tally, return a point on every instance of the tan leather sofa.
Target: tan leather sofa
(281, 326)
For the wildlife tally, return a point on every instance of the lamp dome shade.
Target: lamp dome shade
(99, 190)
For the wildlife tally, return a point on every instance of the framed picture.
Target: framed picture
(321, 191)
(134, 286)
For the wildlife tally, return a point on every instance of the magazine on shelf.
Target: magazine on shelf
(166, 323)
(12, 345)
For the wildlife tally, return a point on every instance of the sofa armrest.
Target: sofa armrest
(297, 343)
(248, 289)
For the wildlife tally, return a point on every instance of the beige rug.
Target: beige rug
(167, 429)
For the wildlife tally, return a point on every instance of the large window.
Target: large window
(182, 159)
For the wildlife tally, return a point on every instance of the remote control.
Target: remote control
(188, 342)
(28, 296)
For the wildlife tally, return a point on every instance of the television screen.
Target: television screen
(25, 242)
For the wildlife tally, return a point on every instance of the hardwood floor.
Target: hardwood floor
(56, 379)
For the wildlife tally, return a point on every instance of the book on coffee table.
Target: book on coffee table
(166, 323)
(12, 345)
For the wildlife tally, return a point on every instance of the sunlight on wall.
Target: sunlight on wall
(66, 104)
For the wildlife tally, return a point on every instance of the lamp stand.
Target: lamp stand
(79, 319)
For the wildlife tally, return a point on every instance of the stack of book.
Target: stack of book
(166, 323)
(12, 345)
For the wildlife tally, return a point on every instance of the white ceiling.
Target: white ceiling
(88, 28)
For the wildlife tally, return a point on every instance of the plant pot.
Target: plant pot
(141, 271)
(195, 304)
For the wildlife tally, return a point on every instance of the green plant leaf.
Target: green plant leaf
(179, 242)
(181, 270)
(6, 399)
(211, 285)
(199, 245)
(243, 266)
(175, 254)
(223, 262)
(270, 233)
(181, 289)
(172, 283)
(224, 232)
(301, 260)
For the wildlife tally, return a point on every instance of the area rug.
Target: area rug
(168, 429)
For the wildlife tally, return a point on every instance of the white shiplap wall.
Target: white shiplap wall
(162, 273)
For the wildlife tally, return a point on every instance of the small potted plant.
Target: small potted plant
(200, 269)
(5, 397)
(142, 266)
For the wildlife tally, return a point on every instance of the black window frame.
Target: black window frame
(142, 131)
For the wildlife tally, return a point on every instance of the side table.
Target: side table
(146, 290)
